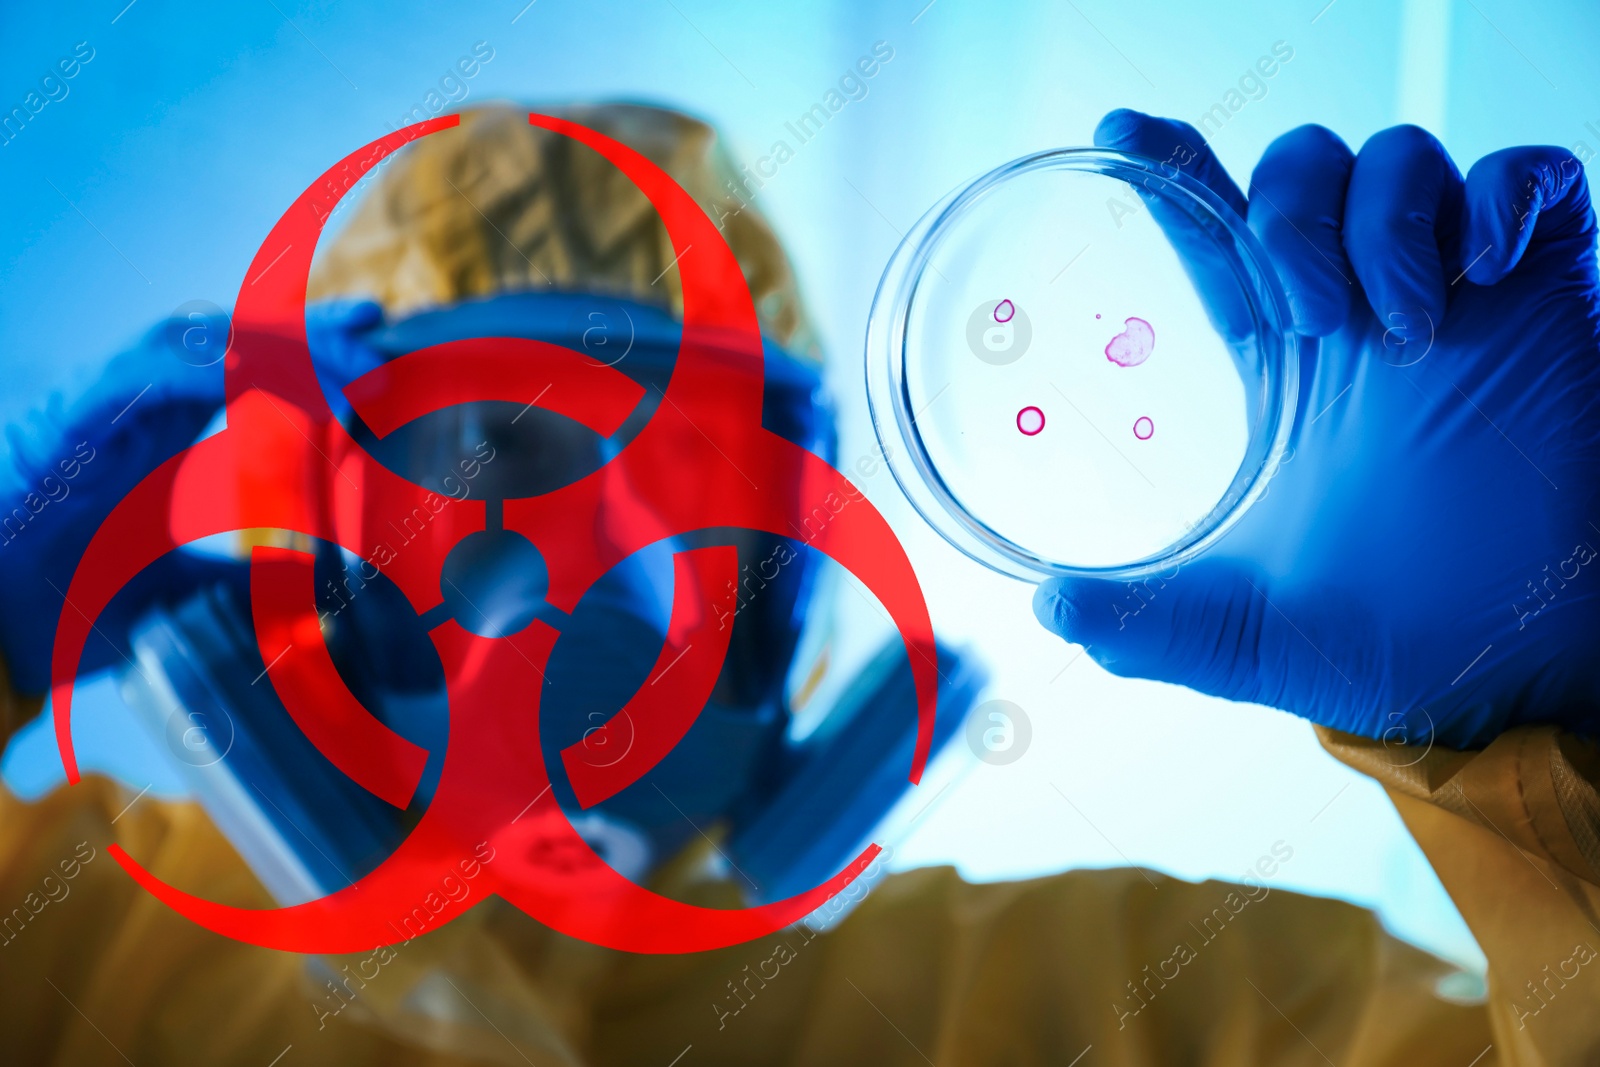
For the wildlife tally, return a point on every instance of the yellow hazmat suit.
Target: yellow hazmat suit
(1110, 967)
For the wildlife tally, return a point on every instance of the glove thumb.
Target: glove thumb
(1206, 625)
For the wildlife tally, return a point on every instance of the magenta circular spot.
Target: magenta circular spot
(1097, 314)
(1004, 311)
(1143, 428)
(1030, 420)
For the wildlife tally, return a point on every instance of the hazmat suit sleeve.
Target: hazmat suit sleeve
(1513, 831)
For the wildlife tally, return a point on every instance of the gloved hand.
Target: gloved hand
(68, 466)
(1424, 565)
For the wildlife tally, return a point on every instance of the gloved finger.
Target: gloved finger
(336, 336)
(334, 333)
(1207, 626)
(141, 426)
(1297, 197)
(1178, 146)
(1175, 143)
(150, 402)
(1401, 223)
(1197, 626)
(1520, 195)
(177, 366)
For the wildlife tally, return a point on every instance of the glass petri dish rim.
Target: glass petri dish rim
(894, 421)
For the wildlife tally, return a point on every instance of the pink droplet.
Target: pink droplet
(1004, 311)
(1132, 346)
(1143, 428)
(1030, 420)
(1097, 314)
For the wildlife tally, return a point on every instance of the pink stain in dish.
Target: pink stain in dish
(1030, 420)
(1132, 346)
(1143, 428)
(1008, 308)
(1097, 314)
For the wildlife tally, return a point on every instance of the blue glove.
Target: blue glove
(1424, 565)
(68, 466)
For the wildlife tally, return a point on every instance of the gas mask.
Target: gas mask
(790, 810)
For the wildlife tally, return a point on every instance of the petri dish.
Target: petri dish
(1081, 364)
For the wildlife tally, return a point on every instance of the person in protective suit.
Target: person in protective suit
(1105, 966)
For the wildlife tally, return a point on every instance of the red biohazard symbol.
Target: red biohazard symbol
(702, 461)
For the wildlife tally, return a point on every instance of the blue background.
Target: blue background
(179, 144)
